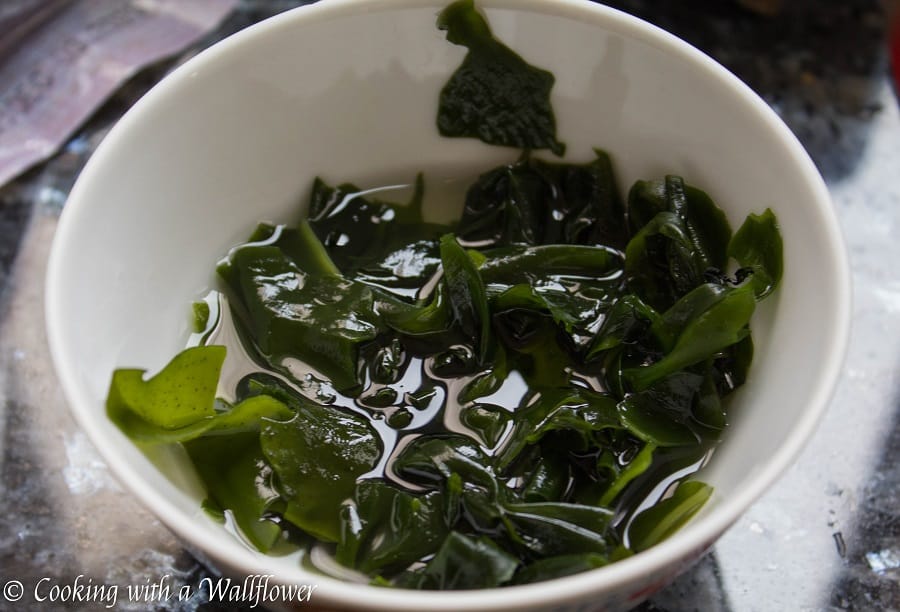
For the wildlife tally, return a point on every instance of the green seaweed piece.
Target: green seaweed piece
(466, 562)
(549, 479)
(536, 292)
(181, 394)
(388, 245)
(237, 477)
(523, 265)
(458, 466)
(321, 320)
(660, 521)
(559, 566)
(488, 421)
(628, 321)
(707, 226)
(318, 456)
(384, 529)
(494, 95)
(722, 324)
(548, 529)
(534, 202)
(663, 413)
(200, 320)
(757, 245)
(639, 464)
(466, 295)
(178, 403)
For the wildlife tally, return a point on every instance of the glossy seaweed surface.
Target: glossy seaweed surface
(500, 394)
(478, 404)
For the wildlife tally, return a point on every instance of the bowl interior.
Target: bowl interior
(347, 90)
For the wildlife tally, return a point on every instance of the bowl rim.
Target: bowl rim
(688, 543)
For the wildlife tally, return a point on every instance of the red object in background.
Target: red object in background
(895, 49)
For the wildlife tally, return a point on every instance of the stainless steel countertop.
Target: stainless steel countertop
(826, 537)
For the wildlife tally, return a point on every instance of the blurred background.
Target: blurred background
(827, 537)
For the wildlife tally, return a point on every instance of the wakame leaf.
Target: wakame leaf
(177, 404)
(535, 202)
(639, 464)
(320, 320)
(404, 269)
(658, 522)
(487, 381)
(732, 365)
(506, 206)
(200, 320)
(466, 293)
(236, 477)
(494, 95)
(668, 327)
(243, 416)
(601, 221)
(722, 324)
(524, 296)
(384, 529)
(662, 415)
(594, 412)
(318, 456)
(549, 479)
(556, 528)
(646, 199)
(708, 409)
(591, 518)
(757, 245)
(298, 244)
(550, 294)
(659, 267)
(533, 411)
(523, 265)
(304, 248)
(388, 364)
(708, 227)
(559, 566)
(535, 339)
(430, 460)
(465, 562)
(459, 467)
(431, 319)
(351, 227)
(487, 421)
(181, 394)
(705, 224)
(628, 321)
(370, 238)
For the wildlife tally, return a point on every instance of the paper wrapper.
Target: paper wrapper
(60, 59)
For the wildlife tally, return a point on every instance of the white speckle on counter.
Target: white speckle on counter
(85, 472)
(889, 295)
(883, 560)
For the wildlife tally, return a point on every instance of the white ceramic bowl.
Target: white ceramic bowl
(347, 89)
